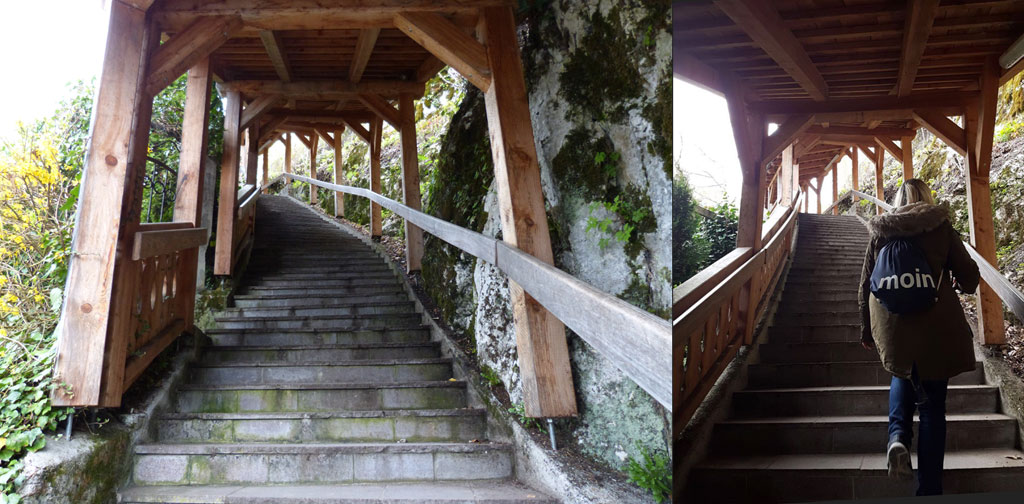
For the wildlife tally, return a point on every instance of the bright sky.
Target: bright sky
(706, 152)
(47, 44)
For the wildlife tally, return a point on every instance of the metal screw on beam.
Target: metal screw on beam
(551, 433)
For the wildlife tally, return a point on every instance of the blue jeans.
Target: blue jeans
(929, 396)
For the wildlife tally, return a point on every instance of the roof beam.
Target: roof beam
(325, 90)
(890, 146)
(364, 48)
(857, 130)
(186, 48)
(275, 49)
(266, 144)
(1013, 54)
(942, 127)
(868, 151)
(917, 26)
(383, 109)
(766, 28)
(326, 135)
(360, 130)
(806, 144)
(784, 136)
(958, 99)
(449, 43)
(257, 108)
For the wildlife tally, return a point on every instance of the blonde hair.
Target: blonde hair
(912, 191)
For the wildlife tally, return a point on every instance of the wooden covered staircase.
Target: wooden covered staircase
(811, 424)
(321, 384)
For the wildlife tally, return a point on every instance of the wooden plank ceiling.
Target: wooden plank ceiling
(778, 54)
(311, 63)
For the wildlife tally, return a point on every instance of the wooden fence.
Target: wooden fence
(634, 340)
(715, 312)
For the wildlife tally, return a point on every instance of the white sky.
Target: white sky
(705, 150)
(46, 45)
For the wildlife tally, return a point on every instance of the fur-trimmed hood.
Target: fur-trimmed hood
(908, 220)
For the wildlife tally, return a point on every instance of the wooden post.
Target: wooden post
(188, 202)
(288, 162)
(253, 155)
(540, 337)
(313, 190)
(266, 170)
(879, 184)
(786, 177)
(376, 131)
(817, 192)
(835, 188)
(339, 175)
(807, 197)
(92, 342)
(906, 144)
(979, 126)
(225, 250)
(410, 180)
(796, 180)
(855, 164)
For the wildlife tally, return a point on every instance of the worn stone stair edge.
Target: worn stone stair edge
(284, 415)
(317, 330)
(315, 448)
(331, 363)
(360, 493)
(331, 386)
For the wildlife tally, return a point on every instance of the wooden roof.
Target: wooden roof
(313, 61)
(871, 60)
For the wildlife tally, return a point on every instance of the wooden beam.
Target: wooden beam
(383, 109)
(907, 148)
(187, 48)
(339, 174)
(848, 139)
(268, 129)
(364, 48)
(987, 112)
(228, 201)
(314, 191)
(786, 187)
(325, 135)
(376, 130)
(858, 130)
(89, 350)
(269, 142)
(325, 90)
(879, 184)
(868, 151)
(361, 131)
(765, 27)
(252, 156)
(266, 172)
(861, 106)
(855, 165)
(540, 337)
(287, 161)
(429, 68)
(890, 146)
(449, 43)
(1013, 54)
(257, 108)
(154, 243)
(278, 58)
(784, 136)
(304, 140)
(835, 184)
(410, 181)
(917, 26)
(805, 144)
(942, 127)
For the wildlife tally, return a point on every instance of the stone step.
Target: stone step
(324, 353)
(823, 306)
(352, 309)
(804, 319)
(323, 373)
(861, 400)
(836, 374)
(277, 463)
(839, 351)
(322, 283)
(355, 272)
(413, 426)
(851, 434)
(196, 398)
(326, 291)
(447, 492)
(246, 301)
(336, 322)
(822, 477)
(823, 276)
(815, 334)
(797, 295)
(850, 268)
(410, 333)
(339, 259)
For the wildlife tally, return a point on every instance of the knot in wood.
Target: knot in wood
(86, 308)
(111, 160)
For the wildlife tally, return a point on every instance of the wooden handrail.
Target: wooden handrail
(1005, 289)
(686, 294)
(634, 340)
(836, 202)
(161, 242)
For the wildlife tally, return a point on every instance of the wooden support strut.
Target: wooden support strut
(879, 187)
(410, 181)
(228, 204)
(339, 175)
(314, 192)
(376, 129)
(540, 337)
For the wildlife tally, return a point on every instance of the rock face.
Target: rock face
(599, 89)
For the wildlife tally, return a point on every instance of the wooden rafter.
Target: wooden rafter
(275, 50)
(360, 130)
(257, 108)
(860, 106)
(448, 43)
(382, 108)
(187, 48)
(304, 138)
(766, 28)
(857, 130)
(364, 48)
(324, 134)
(868, 151)
(428, 69)
(805, 144)
(325, 90)
(942, 127)
(890, 146)
(784, 136)
(917, 26)
(266, 144)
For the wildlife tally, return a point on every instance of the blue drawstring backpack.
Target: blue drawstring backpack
(902, 280)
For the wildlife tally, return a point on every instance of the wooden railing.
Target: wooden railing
(1002, 286)
(715, 312)
(634, 340)
(164, 259)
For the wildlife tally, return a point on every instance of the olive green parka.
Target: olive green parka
(938, 340)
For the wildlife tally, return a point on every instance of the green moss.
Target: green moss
(659, 114)
(600, 77)
(637, 210)
(357, 208)
(575, 170)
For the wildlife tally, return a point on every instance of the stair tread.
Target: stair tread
(276, 330)
(328, 386)
(336, 346)
(857, 419)
(331, 363)
(497, 491)
(954, 461)
(311, 447)
(426, 413)
(857, 388)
